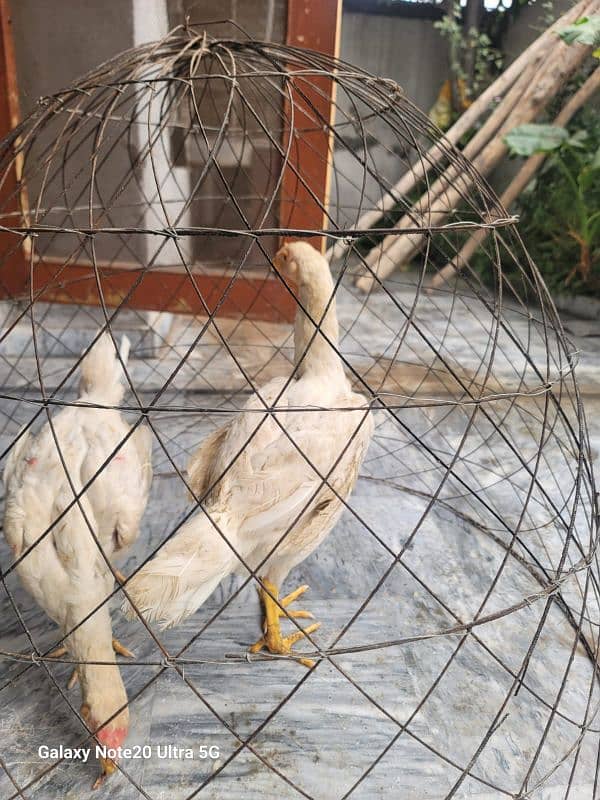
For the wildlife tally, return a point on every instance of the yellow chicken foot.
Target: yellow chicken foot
(108, 766)
(61, 650)
(73, 679)
(273, 639)
(119, 575)
(121, 650)
(289, 598)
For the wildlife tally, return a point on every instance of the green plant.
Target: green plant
(560, 210)
(473, 60)
(585, 31)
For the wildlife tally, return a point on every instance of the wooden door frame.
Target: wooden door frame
(316, 26)
(312, 24)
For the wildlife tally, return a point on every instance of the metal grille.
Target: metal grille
(460, 588)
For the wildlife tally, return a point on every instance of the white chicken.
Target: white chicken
(65, 571)
(272, 484)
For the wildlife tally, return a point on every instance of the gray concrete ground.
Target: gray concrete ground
(436, 715)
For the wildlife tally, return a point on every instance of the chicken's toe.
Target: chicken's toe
(108, 766)
(121, 650)
(59, 651)
(273, 639)
(73, 680)
(119, 575)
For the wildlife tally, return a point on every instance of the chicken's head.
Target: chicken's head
(110, 735)
(301, 262)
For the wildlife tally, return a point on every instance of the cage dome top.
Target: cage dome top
(272, 139)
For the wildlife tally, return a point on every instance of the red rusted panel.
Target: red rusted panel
(13, 264)
(251, 297)
(315, 25)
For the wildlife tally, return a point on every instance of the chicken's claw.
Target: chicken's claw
(289, 598)
(273, 639)
(108, 767)
(59, 651)
(119, 575)
(73, 680)
(121, 650)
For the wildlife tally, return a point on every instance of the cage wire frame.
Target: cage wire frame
(275, 94)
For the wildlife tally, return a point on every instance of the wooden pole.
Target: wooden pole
(315, 25)
(14, 254)
(434, 206)
(521, 179)
(463, 124)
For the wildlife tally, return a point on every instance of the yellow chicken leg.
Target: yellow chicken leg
(107, 767)
(58, 652)
(273, 639)
(61, 650)
(289, 598)
(119, 575)
(121, 650)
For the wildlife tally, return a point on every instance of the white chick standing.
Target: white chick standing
(65, 571)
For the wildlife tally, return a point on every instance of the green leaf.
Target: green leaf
(579, 139)
(584, 31)
(586, 178)
(525, 140)
(580, 135)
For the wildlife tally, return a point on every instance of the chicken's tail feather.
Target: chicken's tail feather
(101, 370)
(188, 568)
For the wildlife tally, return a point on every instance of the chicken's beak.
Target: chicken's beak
(286, 265)
(108, 767)
(280, 259)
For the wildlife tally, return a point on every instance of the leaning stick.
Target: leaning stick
(521, 179)
(442, 196)
(462, 125)
(562, 61)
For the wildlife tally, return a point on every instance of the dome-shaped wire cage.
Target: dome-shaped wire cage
(458, 589)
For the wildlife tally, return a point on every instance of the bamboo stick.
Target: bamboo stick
(521, 179)
(436, 201)
(561, 61)
(462, 125)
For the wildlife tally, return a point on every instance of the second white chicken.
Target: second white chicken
(65, 570)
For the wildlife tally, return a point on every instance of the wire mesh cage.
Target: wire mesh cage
(458, 587)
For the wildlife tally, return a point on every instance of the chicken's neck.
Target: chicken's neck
(102, 687)
(315, 351)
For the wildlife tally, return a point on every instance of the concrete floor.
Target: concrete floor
(409, 720)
